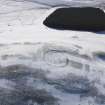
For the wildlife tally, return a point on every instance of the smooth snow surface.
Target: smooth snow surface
(43, 66)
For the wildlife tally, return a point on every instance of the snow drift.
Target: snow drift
(42, 66)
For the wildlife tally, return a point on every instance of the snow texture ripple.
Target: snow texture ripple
(42, 66)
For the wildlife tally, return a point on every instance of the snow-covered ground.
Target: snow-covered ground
(43, 66)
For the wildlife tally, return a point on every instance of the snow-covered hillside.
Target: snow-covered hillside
(43, 66)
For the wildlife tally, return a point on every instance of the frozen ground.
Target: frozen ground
(42, 66)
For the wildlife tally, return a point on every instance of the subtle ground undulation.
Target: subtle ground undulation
(48, 74)
(42, 66)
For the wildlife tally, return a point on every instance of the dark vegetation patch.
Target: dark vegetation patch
(77, 18)
(100, 55)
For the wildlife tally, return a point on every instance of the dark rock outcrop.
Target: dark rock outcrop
(77, 18)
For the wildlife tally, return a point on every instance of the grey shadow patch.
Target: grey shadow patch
(27, 96)
(71, 84)
(21, 93)
(19, 71)
(74, 84)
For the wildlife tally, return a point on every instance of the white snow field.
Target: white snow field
(44, 66)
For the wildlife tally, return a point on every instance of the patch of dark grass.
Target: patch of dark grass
(100, 55)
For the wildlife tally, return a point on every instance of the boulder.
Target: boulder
(77, 18)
